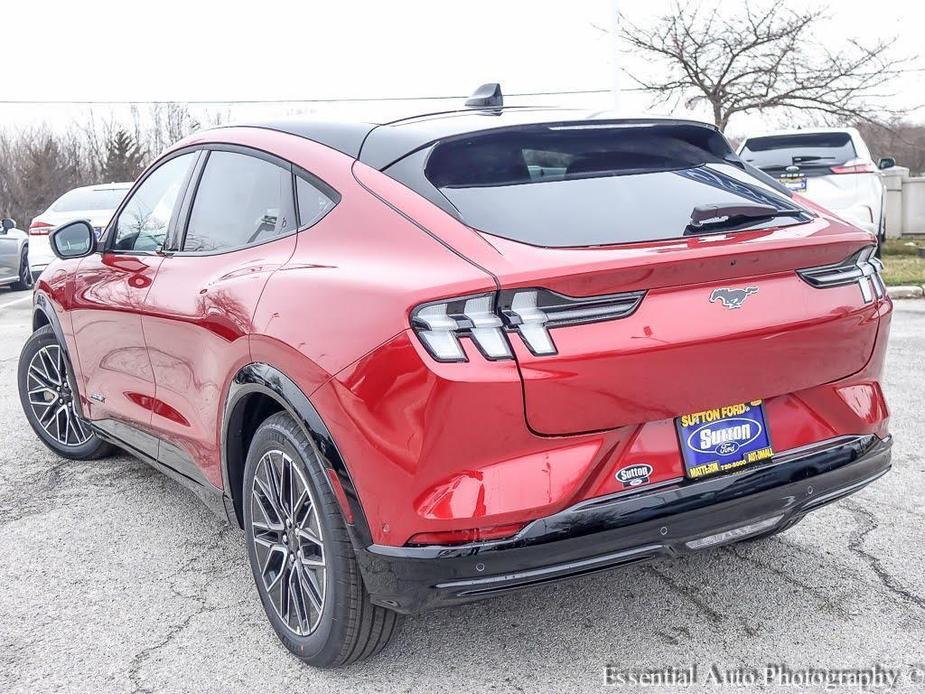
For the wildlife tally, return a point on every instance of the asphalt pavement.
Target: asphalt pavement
(114, 578)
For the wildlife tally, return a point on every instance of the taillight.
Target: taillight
(529, 312)
(854, 169)
(40, 228)
(439, 325)
(532, 312)
(862, 268)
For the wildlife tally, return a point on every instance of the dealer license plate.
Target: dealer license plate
(794, 183)
(724, 439)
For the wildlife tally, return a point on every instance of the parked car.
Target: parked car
(831, 166)
(93, 203)
(437, 359)
(14, 256)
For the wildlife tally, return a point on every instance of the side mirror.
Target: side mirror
(886, 163)
(8, 224)
(73, 240)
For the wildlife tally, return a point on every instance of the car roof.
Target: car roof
(380, 142)
(105, 186)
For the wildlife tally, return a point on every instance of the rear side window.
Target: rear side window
(313, 204)
(589, 185)
(803, 150)
(240, 201)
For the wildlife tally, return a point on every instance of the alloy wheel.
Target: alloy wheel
(52, 400)
(288, 541)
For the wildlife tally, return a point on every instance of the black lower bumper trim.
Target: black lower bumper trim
(614, 531)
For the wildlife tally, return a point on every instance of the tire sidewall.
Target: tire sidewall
(19, 285)
(323, 645)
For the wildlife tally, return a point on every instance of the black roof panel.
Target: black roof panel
(381, 142)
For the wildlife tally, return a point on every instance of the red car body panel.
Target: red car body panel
(436, 447)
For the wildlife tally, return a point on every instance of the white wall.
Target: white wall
(905, 202)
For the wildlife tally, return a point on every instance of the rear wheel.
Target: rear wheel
(301, 556)
(48, 399)
(25, 280)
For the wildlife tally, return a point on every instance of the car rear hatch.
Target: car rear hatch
(621, 310)
(824, 165)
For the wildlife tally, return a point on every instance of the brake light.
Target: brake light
(38, 228)
(862, 268)
(489, 320)
(461, 537)
(854, 169)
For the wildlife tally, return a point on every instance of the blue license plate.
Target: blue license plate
(724, 439)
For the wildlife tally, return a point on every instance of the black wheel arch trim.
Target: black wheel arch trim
(259, 377)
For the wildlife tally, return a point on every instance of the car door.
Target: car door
(238, 229)
(9, 253)
(109, 295)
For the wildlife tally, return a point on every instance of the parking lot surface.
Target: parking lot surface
(116, 579)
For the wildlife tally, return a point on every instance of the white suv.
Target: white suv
(830, 166)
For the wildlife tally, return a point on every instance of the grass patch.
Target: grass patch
(903, 269)
(900, 247)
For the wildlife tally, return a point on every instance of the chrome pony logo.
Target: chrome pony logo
(732, 298)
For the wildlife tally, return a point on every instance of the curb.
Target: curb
(906, 292)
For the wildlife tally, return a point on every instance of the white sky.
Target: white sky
(301, 49)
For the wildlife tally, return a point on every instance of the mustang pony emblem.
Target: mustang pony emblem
(732, 298)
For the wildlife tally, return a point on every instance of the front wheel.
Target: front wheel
(48, 399)
(301, 556)
(25, 280)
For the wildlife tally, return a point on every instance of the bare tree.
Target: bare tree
(763, 56)
(902, 140)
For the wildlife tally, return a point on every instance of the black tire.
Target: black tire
(52, 405)
(348, 627)
(25, 280)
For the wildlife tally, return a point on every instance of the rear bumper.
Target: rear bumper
(674, 518)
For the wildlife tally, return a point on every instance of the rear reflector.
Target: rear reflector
(40, 228)
(460, 537)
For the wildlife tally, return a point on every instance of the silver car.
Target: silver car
(14, 257)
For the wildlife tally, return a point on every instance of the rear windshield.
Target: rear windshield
(811, 149)
(593, 185)
(89, 199)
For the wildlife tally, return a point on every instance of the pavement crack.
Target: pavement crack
(688, 594)
(867, 523)
(833, 608)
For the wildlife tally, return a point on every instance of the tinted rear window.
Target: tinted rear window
(811, 149)
(592, 185)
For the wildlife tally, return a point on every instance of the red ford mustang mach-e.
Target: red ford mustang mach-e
(432, 360)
